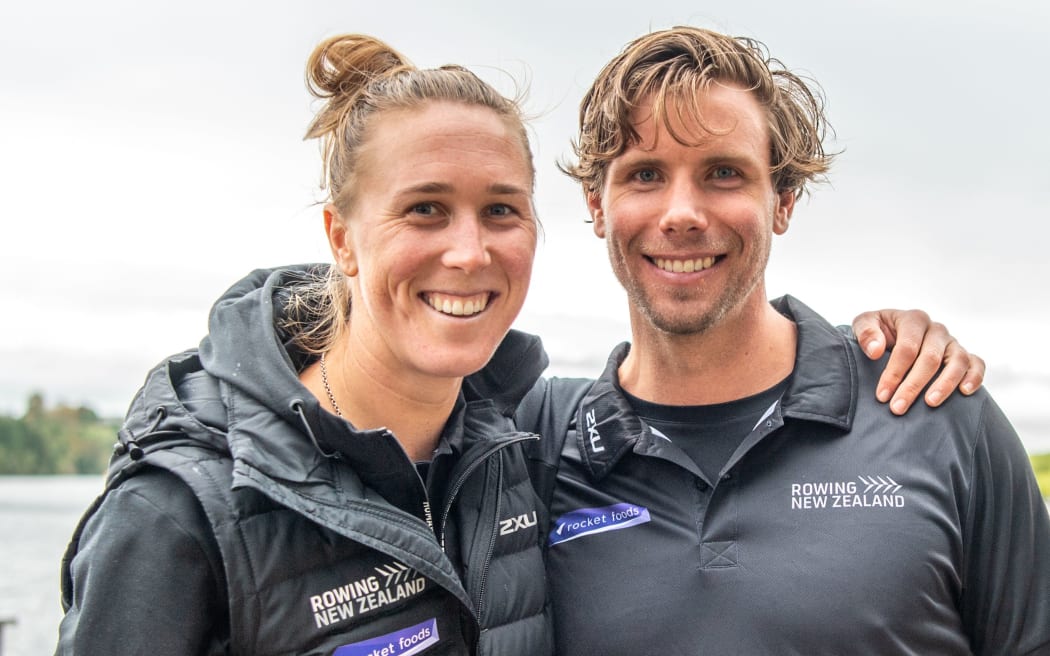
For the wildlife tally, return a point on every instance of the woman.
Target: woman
(329, 536)
(328, 476)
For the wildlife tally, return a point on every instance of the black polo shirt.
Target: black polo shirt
(834, 527)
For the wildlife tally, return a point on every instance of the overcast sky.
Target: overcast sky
(152, 154)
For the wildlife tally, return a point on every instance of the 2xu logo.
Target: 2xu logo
(525, 520)
(592, 433)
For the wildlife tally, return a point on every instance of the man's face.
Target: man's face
(689, 227)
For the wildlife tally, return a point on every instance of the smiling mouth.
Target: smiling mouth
(458, 306)
(684, 266)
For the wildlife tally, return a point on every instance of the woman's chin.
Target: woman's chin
(459, 361)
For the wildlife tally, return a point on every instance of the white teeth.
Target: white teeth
(458, 306)
(684, 266)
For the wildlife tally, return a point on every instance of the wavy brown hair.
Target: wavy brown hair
(672, 68)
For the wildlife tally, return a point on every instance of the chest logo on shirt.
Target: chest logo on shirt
(411, 640)
(390, 583)
(864, 492)
(586, 521)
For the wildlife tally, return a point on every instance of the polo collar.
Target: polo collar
(823, 388)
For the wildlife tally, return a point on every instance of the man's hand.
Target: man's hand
(919, 348)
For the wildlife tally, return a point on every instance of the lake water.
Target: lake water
(37, 518)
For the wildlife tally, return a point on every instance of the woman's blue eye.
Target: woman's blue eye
(500, 210)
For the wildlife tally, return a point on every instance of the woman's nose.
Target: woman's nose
(466, 246)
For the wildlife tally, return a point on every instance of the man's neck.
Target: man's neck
(743, 355)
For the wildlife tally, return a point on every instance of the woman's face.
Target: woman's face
(438, 240)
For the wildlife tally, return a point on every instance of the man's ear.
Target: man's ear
(594, 206)
(339, 240)
(782, 214)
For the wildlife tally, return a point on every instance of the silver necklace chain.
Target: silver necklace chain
(328, 388)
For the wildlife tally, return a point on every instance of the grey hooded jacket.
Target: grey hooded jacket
(239, 517)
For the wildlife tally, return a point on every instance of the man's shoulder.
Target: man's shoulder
(550, 398)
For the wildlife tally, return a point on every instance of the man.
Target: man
(731, 485)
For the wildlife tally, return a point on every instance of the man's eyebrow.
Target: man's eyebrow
(639, 160)
(735, 158)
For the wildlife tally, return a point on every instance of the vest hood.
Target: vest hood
(252, 403)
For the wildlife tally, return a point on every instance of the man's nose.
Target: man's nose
(684, 210)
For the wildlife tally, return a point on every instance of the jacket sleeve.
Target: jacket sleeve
(1006, 589)
(146, 578)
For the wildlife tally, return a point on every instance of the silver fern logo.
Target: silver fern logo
(879, 484)
(866, 491)
(395, 572)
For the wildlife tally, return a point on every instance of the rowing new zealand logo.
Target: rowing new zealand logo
(389, 584)
(880, 491)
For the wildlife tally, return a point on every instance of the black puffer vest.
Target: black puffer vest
(339, 550)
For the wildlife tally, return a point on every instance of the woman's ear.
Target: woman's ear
(339, 240)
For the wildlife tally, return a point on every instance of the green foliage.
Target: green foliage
(22, 450)
(1041, 465)
(74, 440)
(58, 440)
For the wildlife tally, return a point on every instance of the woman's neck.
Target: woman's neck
(369, 395)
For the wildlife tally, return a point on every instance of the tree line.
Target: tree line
(65, 439)
(60, 439)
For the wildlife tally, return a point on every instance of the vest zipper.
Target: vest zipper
(454, 491)
(492, 538)
(462, 479)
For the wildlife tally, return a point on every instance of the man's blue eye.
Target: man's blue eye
(646, 175)
(724, 172)
(423, 208)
